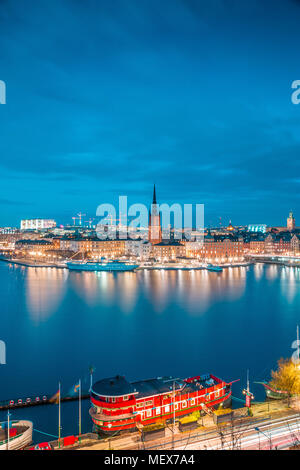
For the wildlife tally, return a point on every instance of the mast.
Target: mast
(249, 396)
(79, 409)
(59, 416)
(8, 415)
(174, 414)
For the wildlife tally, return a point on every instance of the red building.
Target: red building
(118, 405)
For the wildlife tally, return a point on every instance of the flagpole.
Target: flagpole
(59, 416)
(79, 409)
(8, 424)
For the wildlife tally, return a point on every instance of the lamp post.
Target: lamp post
(268, 437)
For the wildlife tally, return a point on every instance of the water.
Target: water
(145, 324)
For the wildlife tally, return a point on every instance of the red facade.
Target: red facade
(118, 405)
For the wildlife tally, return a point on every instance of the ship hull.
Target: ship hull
(20, 441)
(135, 412)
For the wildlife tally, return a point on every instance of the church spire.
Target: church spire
(154, 196)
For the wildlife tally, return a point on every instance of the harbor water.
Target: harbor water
(56, 324)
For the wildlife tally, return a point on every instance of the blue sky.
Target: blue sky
(104, 98)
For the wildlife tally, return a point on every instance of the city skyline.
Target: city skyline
(142, 93)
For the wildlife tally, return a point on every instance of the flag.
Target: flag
(76, 387)
(55, 398)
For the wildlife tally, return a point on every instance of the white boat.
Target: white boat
(19, 436)
(102, 266)
(216, 269)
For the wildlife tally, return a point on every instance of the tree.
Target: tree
(286, 377)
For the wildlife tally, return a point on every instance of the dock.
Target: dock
(41, 400)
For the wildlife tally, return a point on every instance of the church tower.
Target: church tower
(155, 235)
(291, 224)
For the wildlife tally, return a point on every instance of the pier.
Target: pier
(41, 400)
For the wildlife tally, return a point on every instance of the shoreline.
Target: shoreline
(30, 264)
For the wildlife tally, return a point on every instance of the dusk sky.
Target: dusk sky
(107, 97)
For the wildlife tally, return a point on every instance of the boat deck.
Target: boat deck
(4, 435)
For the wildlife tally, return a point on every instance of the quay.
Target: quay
(241, 432)
(37, 401)
(63, 265)
(34, 264)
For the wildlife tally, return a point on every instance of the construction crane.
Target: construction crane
(80, 215)
(90, 222)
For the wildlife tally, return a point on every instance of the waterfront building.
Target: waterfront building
(155, 235)
(278, 243)
(133, 247)
(93, 247)
(37, 224)
(33, 247)
(145, 250)
(168, 250)
(291, 224)
(295, 244)
(217, 249)
(257, 244)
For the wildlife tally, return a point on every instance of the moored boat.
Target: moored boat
(216, 269)
(119, 405)
(17, 436)
(273, 393)
(102, 265)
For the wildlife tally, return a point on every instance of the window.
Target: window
(149, 413)
(113, 400)
(126, 397)
(158, 411)
(193, 402)
(176, 406)
(167, 409)
(184, 404)
(217, 393)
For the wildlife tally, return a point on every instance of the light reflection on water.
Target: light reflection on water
(45, 289)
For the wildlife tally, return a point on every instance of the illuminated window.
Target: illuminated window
(184, 404)
(158, 411)
(167, 409)
(149, 413)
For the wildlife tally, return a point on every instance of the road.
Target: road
(280, 433)
(254, 434)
